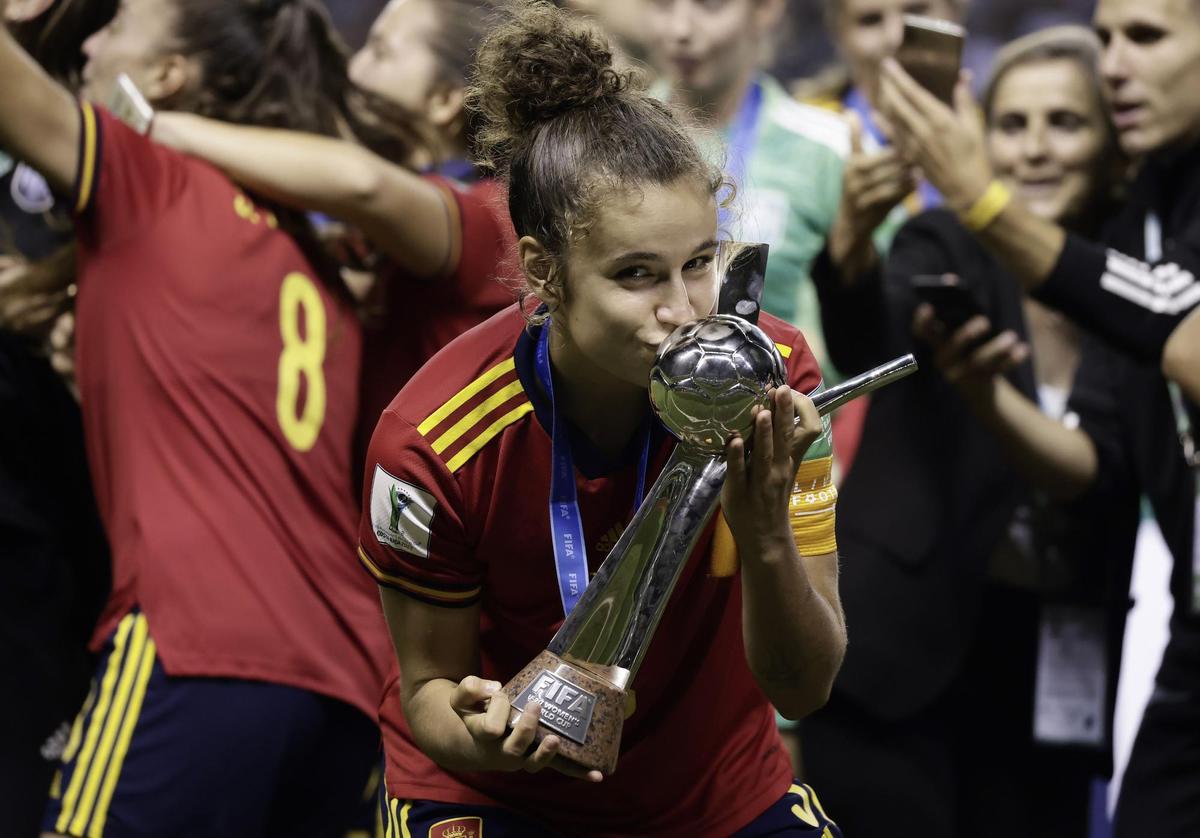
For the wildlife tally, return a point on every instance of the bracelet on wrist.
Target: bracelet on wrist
(987, 207)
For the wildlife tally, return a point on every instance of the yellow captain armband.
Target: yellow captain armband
(813, 508)
(987, 208)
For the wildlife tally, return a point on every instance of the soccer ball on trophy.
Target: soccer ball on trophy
(708, 377)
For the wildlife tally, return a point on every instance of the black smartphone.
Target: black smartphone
(953, 303)
(931, 52)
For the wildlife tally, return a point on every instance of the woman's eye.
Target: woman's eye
(1010, 124)
(634, 272)
(700, 263)
(1144, 34)
(1067, 121)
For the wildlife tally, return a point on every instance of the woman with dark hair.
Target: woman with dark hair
(616, 210)
(1136, 284)
(241, 658)
(442, 232)
(1007, 496)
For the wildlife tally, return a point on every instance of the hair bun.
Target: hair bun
(538, 65)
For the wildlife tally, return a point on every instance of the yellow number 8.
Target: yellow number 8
(302, 356)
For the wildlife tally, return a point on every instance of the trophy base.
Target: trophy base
(584, 709)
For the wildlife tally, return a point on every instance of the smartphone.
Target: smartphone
(129, 105)
(931, 52)
(953, 303)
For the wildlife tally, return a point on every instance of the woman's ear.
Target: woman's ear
(445, 104)
(538, 266)
(169, 80)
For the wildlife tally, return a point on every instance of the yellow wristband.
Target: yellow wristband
(985, 210)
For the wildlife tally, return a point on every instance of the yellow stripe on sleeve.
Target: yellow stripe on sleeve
(460, 398)
(124, 738)
(471, 419)
(784, 350)
(87, 162)
(99, 717)
(460, 459)
(400, 582)
(99, 766)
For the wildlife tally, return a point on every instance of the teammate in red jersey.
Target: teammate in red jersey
(444, 232)
(242, 653)
(617, 214)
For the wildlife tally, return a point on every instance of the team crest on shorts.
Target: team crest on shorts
(401, 514)
(471, 827)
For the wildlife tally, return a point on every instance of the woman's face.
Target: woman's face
(645, 266)
(1048, 138)
(397, 62)
(1151, 69)
(868, 31)
(138, 42)
(707, 46)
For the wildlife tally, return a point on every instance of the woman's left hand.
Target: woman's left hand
(946, 144)
(758, 487)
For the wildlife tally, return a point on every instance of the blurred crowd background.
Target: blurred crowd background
(803, 47)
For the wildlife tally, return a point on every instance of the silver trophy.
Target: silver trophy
(708, 377)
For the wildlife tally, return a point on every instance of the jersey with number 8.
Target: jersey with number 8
(219, 379)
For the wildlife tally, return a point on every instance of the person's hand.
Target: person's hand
(758, 488)
(873, 183)
(484, 710)
(32, 299)
(947, 145)
(971, 366)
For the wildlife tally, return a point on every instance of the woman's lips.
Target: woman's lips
(1128, 115)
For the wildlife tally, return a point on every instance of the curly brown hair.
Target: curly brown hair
(564, 128)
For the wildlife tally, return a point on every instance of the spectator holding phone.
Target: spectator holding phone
(785, 157)
(989, 549)
(881, 189)
(1135, 285)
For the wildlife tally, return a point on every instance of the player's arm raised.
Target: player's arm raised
(404, 215)
(39, 121)
(792, 622)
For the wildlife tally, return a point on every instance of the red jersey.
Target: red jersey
(219, 386)
(421, 315)
(456, 510)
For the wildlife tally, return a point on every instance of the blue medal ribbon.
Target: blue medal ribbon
(742, 137)
(566, 523)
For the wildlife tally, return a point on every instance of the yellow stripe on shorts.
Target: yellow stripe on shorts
(99, 717)
(110, 730)
(145, 667)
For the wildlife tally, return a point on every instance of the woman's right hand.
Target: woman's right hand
(970, 366)
(484, 710)
(873, 183)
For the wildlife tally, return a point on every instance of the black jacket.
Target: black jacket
(930, 496)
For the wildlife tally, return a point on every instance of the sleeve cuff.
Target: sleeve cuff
(445, 596)
(88, 171)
